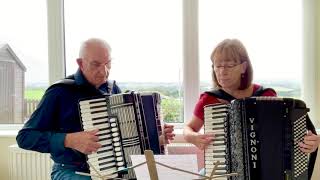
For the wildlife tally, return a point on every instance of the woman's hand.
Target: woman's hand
(310, 143)
(203, 140)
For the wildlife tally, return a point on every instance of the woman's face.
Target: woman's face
(228, 71)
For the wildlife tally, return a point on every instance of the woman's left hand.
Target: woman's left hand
(310, 143)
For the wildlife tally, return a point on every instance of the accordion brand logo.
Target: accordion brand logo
(253, 144)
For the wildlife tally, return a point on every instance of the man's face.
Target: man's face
(96, 65)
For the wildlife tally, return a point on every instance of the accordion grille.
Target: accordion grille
(300, 159)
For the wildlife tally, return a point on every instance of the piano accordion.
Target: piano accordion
(257, 138)
(128, 124)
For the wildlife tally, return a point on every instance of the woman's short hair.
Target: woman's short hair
(233, 49)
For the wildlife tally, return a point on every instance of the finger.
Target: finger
(311, 137)
(204, 136)
(168, 130)
(170, 134)
(94, 147)
(310, 143)
(170, 137)
(94, 138)
(305, 146)
(205, 141)
(93, 132)
(168, 126)
(305, 150)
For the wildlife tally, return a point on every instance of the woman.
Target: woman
(232, 78)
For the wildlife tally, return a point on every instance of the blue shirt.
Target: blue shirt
(56, 115)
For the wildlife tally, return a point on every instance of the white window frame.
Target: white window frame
(311, 62)
(191, 83)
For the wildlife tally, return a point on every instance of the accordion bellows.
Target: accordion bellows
(257, 138)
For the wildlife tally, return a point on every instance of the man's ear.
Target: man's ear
(79, 62)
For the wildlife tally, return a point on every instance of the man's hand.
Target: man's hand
(167, 134)
(310, 143)
(85, 141)
(203, 140)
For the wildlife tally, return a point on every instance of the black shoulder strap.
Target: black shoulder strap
(110, 84)
(66, 81)
(221, 94)
(261, 90)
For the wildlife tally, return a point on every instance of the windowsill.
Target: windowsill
(9, 130)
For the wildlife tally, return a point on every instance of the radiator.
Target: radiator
(28, 165)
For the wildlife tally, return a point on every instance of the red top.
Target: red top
(206, 99)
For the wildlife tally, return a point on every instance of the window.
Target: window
(23, 58)
(146, 41)
(270, 30)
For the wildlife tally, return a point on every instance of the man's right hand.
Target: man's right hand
(85, 141)
(203, 140)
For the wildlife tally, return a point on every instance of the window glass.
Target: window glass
(146, 41)
(23, 58)
(271, 31)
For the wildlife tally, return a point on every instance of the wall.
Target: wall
(5, 141)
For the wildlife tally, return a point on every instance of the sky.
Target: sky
(146, 35)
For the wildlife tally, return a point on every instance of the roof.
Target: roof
(15, 57)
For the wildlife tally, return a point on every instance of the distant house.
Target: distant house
(11, 86)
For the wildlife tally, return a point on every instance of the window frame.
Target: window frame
(190, 53)
(311, 40)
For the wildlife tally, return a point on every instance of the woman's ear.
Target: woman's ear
(244, 67)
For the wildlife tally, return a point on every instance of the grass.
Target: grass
(34, 93)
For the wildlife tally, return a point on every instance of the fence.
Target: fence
(29, 106)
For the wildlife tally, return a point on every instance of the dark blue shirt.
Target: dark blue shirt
(56, 115)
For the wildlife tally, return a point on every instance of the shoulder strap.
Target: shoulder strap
(221, 94)
(261, 90)
(69, 81)
(110, 85)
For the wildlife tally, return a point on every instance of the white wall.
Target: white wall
(5, 141)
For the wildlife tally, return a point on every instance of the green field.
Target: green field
(34, 93)
(172, 95)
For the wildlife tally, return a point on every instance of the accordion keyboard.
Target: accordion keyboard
(215, 124)
(119, 133)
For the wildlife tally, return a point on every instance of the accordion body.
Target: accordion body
(257, 138)
(128, 124)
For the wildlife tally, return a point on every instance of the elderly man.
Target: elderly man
(55, 126)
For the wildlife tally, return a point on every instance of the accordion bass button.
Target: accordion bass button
(113, 125)
(120, 164)
(115, 134)
(114, 129)
(119, 158)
